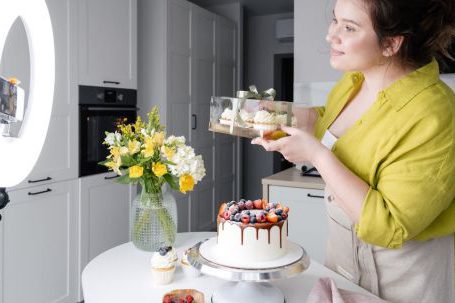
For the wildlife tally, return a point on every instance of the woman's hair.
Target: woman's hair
(428, 27)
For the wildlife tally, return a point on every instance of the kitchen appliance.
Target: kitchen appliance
(100, 111)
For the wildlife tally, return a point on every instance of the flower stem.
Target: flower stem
(151, 204)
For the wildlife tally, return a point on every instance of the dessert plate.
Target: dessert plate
(209, 251)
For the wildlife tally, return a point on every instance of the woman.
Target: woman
(387, 154)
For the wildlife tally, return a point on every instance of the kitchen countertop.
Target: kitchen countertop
(291, 177)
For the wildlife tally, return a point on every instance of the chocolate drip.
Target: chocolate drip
(257, 226)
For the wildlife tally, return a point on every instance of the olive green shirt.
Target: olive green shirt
(403, 147)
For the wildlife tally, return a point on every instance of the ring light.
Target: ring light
(19, 155)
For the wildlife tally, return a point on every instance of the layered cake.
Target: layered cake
(254, 231)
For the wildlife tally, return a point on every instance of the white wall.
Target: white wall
(261, 46)
(311, 51)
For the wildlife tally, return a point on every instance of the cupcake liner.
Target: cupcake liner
(162, 276)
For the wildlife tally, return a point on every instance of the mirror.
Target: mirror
(15, 63)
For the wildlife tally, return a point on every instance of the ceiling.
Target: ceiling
(254, 7)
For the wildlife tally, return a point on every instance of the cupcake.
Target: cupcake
(227, 116)
(263, 120)
(281, 119)
(188, 270)
(163, 265)
(247, 117)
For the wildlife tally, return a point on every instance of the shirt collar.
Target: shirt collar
(402, 91)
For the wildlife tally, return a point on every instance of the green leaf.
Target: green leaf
(171, 181)
(169, 162)
(125, 179)
(128, 161)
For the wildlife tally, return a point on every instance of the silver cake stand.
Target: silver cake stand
(248, 284)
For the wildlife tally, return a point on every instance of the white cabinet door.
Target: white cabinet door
(225, 145)
(38, 245)
(307, 217)
(58, 159)
(108, 43)
(105, 207)
(202, 88)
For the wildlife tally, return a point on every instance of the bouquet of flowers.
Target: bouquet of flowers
(141, 153)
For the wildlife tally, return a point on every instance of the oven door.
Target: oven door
(94, 121)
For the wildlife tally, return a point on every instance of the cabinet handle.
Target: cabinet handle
(111, 82)
(194, 121)
(315, 196)
(110, 177)
(40, 180)
(39, 192)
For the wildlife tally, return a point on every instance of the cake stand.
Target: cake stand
(248, 283)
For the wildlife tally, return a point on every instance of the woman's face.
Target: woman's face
(353, 41)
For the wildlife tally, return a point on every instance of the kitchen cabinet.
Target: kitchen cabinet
(38, 245)
(104, 215)
(107, 40)
(187, 55)
(58, 159)
(307, 213)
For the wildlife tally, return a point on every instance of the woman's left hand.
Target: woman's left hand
(299, 146)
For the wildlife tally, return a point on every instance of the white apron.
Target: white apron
(417, 272)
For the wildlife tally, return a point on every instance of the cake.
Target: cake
(264, 120)
(254, 231)
(227, 116)
(247, 117)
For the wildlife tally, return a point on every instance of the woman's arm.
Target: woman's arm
(342, 182)
(301, 146)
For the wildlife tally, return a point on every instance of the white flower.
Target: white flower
(175, 141)
(144, 132)
(186, 162)
(118, 136)
(110, 139)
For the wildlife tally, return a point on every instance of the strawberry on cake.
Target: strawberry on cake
(254, 231)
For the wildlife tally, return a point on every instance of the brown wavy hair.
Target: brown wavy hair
(428, 27)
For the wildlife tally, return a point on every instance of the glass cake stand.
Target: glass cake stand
(252, 282)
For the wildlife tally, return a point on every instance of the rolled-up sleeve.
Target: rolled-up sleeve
(412, 189)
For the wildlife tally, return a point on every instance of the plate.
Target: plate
(182, 293)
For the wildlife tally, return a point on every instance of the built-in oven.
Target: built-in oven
(100, 111)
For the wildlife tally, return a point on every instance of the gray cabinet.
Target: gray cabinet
(187, 55)
(38, 245)
(104, 215)
(107, 40)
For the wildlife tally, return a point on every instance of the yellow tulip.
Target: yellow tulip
(133, 147)
(159, 169)
(186, 183)
(136, 171)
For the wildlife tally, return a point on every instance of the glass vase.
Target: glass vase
(153, 220)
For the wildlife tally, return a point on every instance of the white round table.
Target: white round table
(122, 274)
